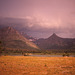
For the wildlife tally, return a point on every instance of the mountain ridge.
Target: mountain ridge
(56, 42)
(12, 38)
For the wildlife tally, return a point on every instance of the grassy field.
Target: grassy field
(27, 65)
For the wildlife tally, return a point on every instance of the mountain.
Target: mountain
(19, 24)
(30, 38)
(11, 38)
(56, 42)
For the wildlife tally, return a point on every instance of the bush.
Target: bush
(66, 54)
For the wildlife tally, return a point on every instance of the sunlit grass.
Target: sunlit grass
(26, 65)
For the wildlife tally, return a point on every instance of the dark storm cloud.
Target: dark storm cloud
(40, 18)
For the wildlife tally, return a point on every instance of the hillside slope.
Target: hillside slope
(13, 39)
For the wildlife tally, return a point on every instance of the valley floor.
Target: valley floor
(28, 65)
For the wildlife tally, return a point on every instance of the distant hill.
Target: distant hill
(11, 38)
(56, 42)
(30, 38)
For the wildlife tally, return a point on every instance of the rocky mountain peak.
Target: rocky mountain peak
(8, 30)
(13, 39)
(53, 36)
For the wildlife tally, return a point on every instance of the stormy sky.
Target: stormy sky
(42, 17)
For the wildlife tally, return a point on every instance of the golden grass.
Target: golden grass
(26, 65)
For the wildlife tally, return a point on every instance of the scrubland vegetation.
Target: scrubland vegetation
(27, 65)
(35, 52)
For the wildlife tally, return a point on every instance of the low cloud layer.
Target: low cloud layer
(35, 28)
(39, 18)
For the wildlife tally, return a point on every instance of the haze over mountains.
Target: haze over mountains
(37, 27)
(28, 27)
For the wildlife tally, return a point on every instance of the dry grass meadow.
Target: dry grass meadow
(27, 65)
